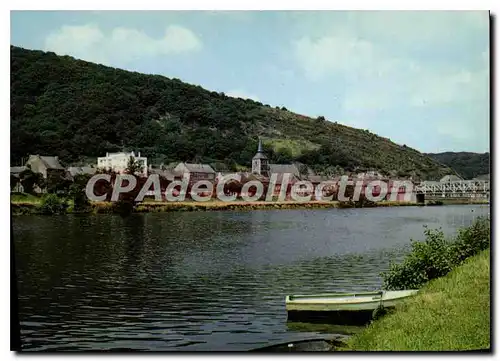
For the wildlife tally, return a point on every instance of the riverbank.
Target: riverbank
(454, 201)
(241, 205)
(28, 204)
(23, 207)
(451, 313)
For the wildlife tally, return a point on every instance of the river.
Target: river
(201, 281)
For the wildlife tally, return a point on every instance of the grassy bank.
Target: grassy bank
(218, 205)
(32, 205)
(450, 201)
(24, 198)
(29, 204)
(449, 313)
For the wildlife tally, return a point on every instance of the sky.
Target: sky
(420, 78)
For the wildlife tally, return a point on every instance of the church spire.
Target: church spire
(259, 162)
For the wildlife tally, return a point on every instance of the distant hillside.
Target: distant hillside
(76, 109)
(466, 164)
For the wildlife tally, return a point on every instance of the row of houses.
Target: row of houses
(261, 170)
(50, 166)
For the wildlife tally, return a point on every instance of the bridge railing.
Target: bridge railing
(462, 186)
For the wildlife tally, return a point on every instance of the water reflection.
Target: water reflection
(324, 328)
(200, 281)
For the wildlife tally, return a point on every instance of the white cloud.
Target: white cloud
(79, 41)
(409, 28)
(459, 86)
(332, 54)
(427, 68)
(238, 93)
(376, 77)
(122, 44)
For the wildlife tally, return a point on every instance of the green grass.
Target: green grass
(219, 205)
(27, 204)
(24, 198)
(294, 147)
(451, 313)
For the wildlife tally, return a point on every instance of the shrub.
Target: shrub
(52, 204)
(346, 204)
(471, 240)
(427, 260)
(365, 203)
(80, 201)
(436, 256)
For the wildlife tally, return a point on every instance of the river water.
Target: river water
(207, 281)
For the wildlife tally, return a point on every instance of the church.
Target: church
(261, 167)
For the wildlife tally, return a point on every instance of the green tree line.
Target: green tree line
(75, 109)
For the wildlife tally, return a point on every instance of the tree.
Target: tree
(30, 179)
(231, 164)
(57, 183)
(77, 192)
(133, 166)
(52, 204)
(176, 121)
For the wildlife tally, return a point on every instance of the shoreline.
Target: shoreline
(450, 313)
(29, 207)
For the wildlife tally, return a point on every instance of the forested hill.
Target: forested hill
(466, 164)
(76, 109)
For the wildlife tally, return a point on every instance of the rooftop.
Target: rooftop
(260, 153)
(17, 170)
(81, 170)
(49, 162)
(284, 168)
(199, 168)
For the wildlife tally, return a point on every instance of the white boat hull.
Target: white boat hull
(343, 308)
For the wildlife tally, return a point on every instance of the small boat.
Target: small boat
(342, 308)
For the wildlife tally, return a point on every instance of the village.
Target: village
(270, 181)
(282, 175)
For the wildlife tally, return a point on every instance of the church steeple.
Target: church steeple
(260, 164)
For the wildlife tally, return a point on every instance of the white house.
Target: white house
(118, 162)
